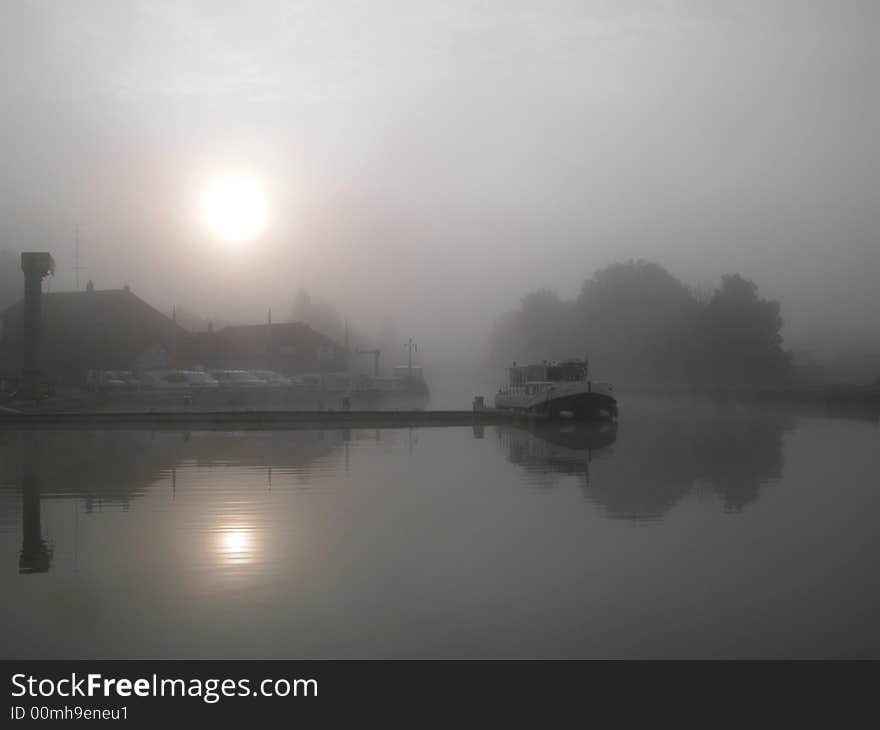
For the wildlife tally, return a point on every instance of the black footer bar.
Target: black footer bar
(417, 692)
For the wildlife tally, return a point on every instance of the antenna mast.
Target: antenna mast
(410, 346)
(76, 265)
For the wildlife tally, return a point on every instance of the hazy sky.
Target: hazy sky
(436, 160)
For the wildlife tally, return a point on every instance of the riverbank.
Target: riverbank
(831, 394)
(213, 400)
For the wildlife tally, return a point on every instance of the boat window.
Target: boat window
(535, 372)
(566, 373)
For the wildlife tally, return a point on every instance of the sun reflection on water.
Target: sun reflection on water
(235, 544)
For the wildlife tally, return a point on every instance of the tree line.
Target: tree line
(638, 323)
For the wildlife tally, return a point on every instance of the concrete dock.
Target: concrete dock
(250, 420)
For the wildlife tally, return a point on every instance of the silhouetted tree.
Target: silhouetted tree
(543, 322)
(638, 323)
(743, 335)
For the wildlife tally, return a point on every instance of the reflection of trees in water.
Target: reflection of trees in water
(660, 458)
(739, 456)
(115, 467)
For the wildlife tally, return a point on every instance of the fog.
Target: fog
(435, 162)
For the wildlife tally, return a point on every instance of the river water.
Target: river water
(689, 529)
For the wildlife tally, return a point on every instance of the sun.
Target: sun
(234, 209)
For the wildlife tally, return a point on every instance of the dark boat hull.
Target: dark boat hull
(579, 407)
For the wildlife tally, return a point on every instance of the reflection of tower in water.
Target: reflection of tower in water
(36, 553)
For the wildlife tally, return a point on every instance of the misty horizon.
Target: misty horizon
(433, 164)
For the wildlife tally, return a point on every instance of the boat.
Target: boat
(410, 380)
(557, 390)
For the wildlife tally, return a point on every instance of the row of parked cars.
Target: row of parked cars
(126, 380)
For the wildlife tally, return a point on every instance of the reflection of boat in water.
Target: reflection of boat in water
(577, 436)
(565, 448)
(670, 452)
(557, 390)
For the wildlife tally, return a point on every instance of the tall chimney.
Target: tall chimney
(35, 266)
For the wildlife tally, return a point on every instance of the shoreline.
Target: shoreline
(832, 394)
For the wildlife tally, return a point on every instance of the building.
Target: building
(287, 347)
(110, 329)
(117, 330)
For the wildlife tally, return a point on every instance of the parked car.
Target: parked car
(10, 388)
(273, 379)
(178, 379)
(237, 379)
(111, 380)
(311, 382)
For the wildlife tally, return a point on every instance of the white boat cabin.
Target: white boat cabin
(549, 372)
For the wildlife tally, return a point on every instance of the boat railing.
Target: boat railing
(532, 388)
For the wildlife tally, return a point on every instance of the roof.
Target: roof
(111, 328)
(88, 329)
(110, 304)
(279, 332)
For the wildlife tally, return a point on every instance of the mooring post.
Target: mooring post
(35, 266)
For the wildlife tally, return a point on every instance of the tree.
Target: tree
(636, 320)
(743, 333)
(640, 324)
(543, 322)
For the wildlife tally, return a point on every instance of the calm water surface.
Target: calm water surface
(689, 530)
